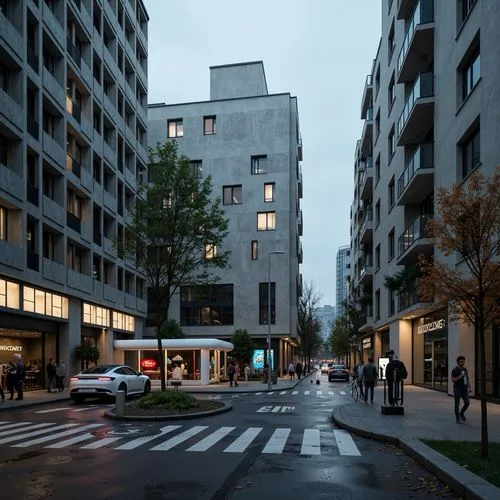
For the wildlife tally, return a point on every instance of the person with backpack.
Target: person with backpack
(231, 371)
(369, 377)
(395, 373)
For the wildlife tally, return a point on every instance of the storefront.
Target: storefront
(194, 361)
(430, 351)
(367, 348)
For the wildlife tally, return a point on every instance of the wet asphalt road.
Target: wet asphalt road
(279, 445)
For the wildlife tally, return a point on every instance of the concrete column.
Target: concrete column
(461, 341)
(106, 351)
(205, 367)
(70, 337)
(401, 343)
(377, 347)
(282, 345)
(139, 328)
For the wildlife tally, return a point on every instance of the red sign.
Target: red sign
(149, 364)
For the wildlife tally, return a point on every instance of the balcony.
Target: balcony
(417, 117)
(52, 148)
(366, 320)
(417, 180)
(13, 255)
(414, 241)
(53, 86)
(86, 180)
(109, 247)
(410, 304)
(130, 178)
(366, 180)
(11, 110)
(109, 291)
(79, 281)
(110, 60)
(366, 102)
(366, 231)
(53, 271)
(142, 305)
(418, 45)
(73, 109)
(405, 8)
(32, 194)
(54, 26)
(73, 222)
(299, 184)
(32, 260)
(11, 183)
(97, 236)
(366, 271)
(33, 59)
(109, 153)
(109, 201)
(86, 127)
(300, 152)
(74, 52)
(33, 127)
(11, 37)
(73, 166)
(53, 211)
(301, 224)
(367, 134)
(300, 254)
(130, 300)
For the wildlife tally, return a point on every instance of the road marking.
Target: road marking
(283, 392)
(214, 397)
(294, 393)
(310, 442)
(55, 436)
(277, 441)
(284, 409)
(52, 410)
(307, 393)
(270, 393)
(319, 393)
(70, 441)
(93, 407)
(276, 409)
(135, 443)
(210, 440)
(342, 392)
(330, 393)
(345, 443)
(265, 409)
(11, 426)
(244, 441)
(258, 393)
(235, 396)
(184, 436)
(29, 434)
(99, 444)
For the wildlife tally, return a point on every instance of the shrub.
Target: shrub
(168, 400)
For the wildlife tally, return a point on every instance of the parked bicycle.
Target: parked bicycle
(354, 388)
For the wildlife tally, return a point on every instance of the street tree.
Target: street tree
(176, 233)
(468, 227)
(243, 346)
(171, 330)
(308, 324)
(339, 341)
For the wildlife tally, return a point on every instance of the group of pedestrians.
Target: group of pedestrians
(295, 370)
(56, 373)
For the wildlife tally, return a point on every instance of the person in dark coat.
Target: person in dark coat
(395, 372)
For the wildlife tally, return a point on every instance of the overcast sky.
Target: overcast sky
(319, 51)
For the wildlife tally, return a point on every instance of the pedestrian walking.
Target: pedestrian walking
(19, 377)
(360, 378)
(298, 369)
(369, 376)
(395, 373)
(10, 379)
(247, 372)
(51, 375)
(461, 388)
(291, 371)
(60, 375)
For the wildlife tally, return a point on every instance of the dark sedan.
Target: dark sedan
(338, 372)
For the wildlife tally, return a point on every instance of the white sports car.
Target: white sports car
(103, 381)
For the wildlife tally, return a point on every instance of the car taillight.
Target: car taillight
(75, 379)
(105, 379)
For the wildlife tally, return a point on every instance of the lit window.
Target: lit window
(123, 321)
(175, 128)
(269, 192)
(46, 303)
(232, 195)
(3, 223)
(255, 250)
(210, 251)
(95, 315)
(9, 294)
(266, 221)
(259, 164)
(209, 125)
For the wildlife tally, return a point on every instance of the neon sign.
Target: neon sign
(149, 364)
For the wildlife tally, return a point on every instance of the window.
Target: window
(377, 125)
(123, 322)
(377, 81)
(471, 153)
(197, 166)
(3, 223)
(377, 214)
(264, 301)
(209, 125)
(377, 169)
(269, 192)
(266, 221)
(210, 251)
(377, 305)
(390, 297)
(232, 195)
(471, 73)
(464, 7)
(391, 93)
(175, 128)
(4, 150)
(9, 294)
(391, 245)
(74, 204)
(255, 250)
(377, 256)
(391, 143)
(74, 258)
(49, 245)
(210, 305)
(392, 193)
(391, 42)
(49, 124)
(95, 315)
(41, 302)
(259, 164)
(5, 78)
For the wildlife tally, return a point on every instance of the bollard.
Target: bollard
(120, 404)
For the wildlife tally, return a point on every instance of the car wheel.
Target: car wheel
(78, 399)
(123, 387)
(147, 388)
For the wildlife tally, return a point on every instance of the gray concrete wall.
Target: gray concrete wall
(237, 80)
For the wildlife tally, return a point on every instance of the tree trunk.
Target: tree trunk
(161, 355)
(482, 381)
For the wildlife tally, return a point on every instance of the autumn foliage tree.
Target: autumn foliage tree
(468, 227)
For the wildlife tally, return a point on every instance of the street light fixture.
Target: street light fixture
(275, 252)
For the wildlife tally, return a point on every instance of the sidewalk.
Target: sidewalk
(33, 398)
(428, 415)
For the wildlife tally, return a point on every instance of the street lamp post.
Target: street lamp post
(275, 252)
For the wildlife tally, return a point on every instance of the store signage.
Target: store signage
(430, 327)
(382, 365)
(149, 364)
(367, 343)
(15, 348)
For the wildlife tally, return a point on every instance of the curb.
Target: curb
(186, 416)
(33, 403)
(465, 483)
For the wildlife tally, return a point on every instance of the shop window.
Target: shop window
(41, 302)
(95, 315)
(9, 294)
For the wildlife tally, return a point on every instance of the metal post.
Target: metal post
(269, 384)
(120, 404)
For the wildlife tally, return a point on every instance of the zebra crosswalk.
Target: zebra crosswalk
(197, 438)
(277, 394)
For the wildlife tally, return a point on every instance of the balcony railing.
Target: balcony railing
(33, 127)
(408, 296)
(97, 237)
(416, 230)
(423, 87)
(73, 109)
(369, 114)
(421, 159)
(32, 194)
(32, 58)
(33, 260)
(73, 222)
(424, 13)
(73, 166)
(74, 52)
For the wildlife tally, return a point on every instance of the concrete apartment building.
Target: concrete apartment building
(342, 277)
(326, 315)
(249, 142)
(73, 122)
(431, 116)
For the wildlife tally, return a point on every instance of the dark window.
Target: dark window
(197, 166)
(391, 93)
(391, 42)
(232, 195)
(392, 193)
(263, 303)
(391, 244)
(259, 164)
(255, 250)
(471, 73)
(391, 143)
(377, 305)
(471, 153)
(392, 302)
(377, 256)
(377, 169)
(209, 125)
(464, 7)
(211, 305)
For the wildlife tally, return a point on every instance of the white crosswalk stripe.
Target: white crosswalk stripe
(305, 393)
(283, 392)
(294, 393)
(203, 438)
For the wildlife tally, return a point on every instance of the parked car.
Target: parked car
(105, 380)
(338, 372)
(324, 368)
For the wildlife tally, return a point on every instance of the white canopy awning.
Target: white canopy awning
(175, 344)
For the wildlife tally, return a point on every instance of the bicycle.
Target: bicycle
(354, 389)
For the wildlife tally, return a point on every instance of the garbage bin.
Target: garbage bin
(274, 377)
